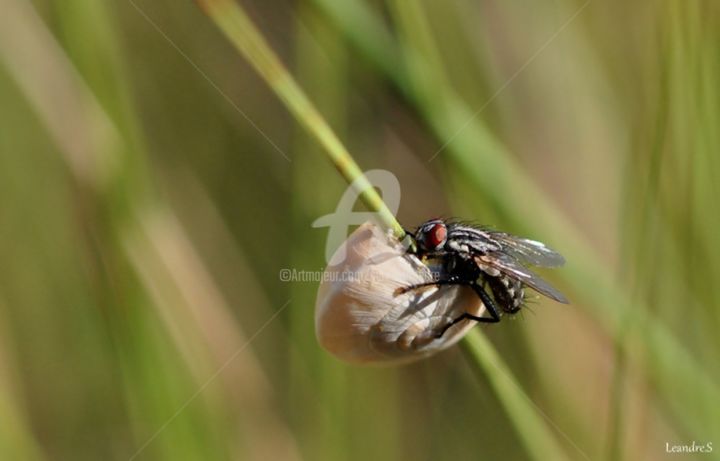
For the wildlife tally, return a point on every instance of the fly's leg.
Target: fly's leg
(487, 302)
(452, 280)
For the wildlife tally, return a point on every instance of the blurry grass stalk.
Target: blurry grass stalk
(50, 80)
(17, 440)
(313, 373)
(82, 149)
(204, 330)
(240, 30)
(89, 141)
(535, 434)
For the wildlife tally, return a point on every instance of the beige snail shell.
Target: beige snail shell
(360, 318)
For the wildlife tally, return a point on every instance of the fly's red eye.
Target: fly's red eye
(437, 235)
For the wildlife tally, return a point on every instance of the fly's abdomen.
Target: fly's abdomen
(509, 294)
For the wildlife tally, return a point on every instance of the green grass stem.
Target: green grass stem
(247, 39)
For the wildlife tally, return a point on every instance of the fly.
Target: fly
(492, 263)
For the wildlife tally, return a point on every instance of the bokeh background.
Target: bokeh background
(152, 187)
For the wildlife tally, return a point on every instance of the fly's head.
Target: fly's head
(431, 237)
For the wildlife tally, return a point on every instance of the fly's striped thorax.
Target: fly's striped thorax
(467, 239)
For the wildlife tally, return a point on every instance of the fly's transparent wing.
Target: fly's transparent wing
(512, 268)
(527, 251)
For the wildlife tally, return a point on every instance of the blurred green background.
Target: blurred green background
(147, 205)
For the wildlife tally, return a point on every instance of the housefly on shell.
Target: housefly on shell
(384, 302)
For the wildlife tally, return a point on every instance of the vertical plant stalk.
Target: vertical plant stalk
(242, 33)
(537, 437)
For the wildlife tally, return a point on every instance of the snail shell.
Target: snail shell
(360, 318)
